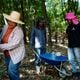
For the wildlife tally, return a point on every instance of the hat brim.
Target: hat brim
(9, 18)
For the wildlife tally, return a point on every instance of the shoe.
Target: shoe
(37, 69)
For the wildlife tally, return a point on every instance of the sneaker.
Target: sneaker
(37, 69)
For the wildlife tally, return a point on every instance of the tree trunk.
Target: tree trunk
(56, 37)
(47, 21)
(24, 29)
(73, 5)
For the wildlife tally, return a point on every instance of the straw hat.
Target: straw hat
(14, 17)
(70, 15)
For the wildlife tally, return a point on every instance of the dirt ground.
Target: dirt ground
(27, 69)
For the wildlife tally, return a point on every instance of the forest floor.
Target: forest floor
(27, 69)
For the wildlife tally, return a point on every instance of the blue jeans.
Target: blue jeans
(38, 52)
(74, 58)
(12, 69)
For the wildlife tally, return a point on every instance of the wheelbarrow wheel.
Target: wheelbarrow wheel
(62, 73)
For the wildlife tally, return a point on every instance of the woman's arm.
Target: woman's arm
(32, 39)
(14, 42)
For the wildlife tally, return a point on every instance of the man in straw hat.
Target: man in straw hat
(73, 32)
(12, 44)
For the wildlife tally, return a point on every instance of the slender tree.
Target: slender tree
(47, 20)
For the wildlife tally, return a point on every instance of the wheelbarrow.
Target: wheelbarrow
(57, 62)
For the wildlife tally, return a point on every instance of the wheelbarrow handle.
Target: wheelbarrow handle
(36, 54)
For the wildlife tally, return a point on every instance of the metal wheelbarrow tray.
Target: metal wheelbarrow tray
(53, 59)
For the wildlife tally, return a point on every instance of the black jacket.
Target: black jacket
(73, 32)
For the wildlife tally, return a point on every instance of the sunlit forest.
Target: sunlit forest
(53, 12)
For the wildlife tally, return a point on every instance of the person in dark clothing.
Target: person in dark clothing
(73, 33)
